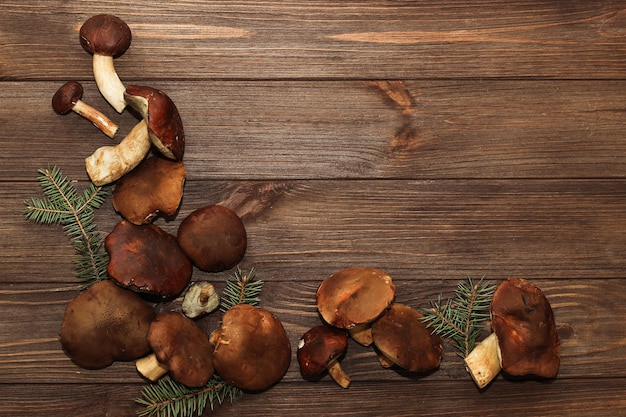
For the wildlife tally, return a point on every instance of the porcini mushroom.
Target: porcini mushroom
(104, 324)
(402, 339)
(69, 98)
(524, 342)
(353, 298)
(200, 299)
(251, 348)
(319, 350)
(154, 187)
(213, 237)
(147, 259)
(180, 347)
(106, 37)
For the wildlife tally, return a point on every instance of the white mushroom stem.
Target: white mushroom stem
(150, 367)
(338, 375)
(483, 363)
(108, 81)
(95, 116)
(110, 163)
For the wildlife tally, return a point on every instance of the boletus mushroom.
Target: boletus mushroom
(200, 299)
(353, 298)
(104, 324)
(319, 350)
(524, 342)
(251, 348)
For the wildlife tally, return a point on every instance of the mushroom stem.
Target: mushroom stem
(108, 81)
(150, 367)
(362, 334)
(338, 375)
(483, 363)
(95, 116)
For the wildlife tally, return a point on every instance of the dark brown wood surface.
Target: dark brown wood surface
(433, 139)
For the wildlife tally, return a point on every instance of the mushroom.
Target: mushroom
(147, 259)
(251, 348)
(180, 347)
(68, 98)
(213, 237)
(200, 299)
(353, 298)
(402, 339)
(524, 341)
(106, 37)
(154, 187)
(319, 350)
(104, 324)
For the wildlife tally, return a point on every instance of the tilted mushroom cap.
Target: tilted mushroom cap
(147, 259)
(104, 324)
(523, 322)
(401, 336)
(154, 187)
(214, 237)
(164, 122)
(252, 350)
(319, 350)
(105, 34)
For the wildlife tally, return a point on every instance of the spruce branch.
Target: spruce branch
(62, 204)
(241, 289)
(461, 319)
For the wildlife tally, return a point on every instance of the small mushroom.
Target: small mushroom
(402, 339)
(147, 259)
(213, 237)
(106, 37)
(353, 298)
(251, 348)
(200, 299)
(154, 187)
(180, 347)
(69, 98)
(104, 324)
(524, 342)
(319, 350)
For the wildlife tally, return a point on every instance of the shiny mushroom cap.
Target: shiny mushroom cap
(105, 34)
(319, 349)
(252, 350)
(402, 338)
(147, 259)
(523, 322)
(66, 97)
(104, 324)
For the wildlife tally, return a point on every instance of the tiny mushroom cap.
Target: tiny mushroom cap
(200, 299)
(164, 122)
(147, 259)
(353, 298)
(319, 350)
(104, 324)
(106, 37)
(402, 338)
(154, 187)
(252, 349)
(68, 98)
(181, 348)
(213, 237)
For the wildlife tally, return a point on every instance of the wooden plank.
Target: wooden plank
(324, 39)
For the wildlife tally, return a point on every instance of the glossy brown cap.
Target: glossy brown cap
(318, 348)
(354, 296)
(154, 187)
(523, 321)
(401, 336)
(213, 237)
(105, 34)
(252, 350)
(66, 97)
(147, 259)
(106, 323)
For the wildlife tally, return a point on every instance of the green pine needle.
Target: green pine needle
(461, 319)
(64, 206)
(241, 289)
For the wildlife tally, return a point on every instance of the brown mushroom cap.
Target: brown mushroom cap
(182, 347)
(523, 322)
(147, 259)
(66, 97)
(154, 187)
(105, 34)
(213, 237)
(104, 324)
(402, 337)
(252, 350)
(164, 121)
(319, 349)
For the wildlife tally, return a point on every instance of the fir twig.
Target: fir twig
(241, 289)
(63, 205)
(461, 319)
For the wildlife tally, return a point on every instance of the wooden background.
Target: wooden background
(433, 139)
